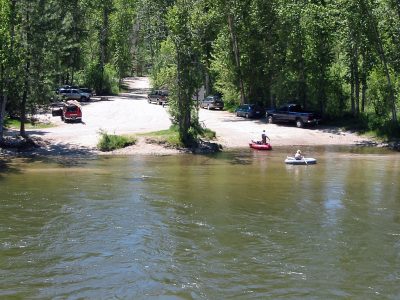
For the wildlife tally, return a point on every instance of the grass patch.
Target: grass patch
(110, 142)
(169, 136)
(208, 134)
(16, 124)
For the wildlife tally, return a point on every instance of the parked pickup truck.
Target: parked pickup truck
(70, 110)
(292, 113)
(158, 96)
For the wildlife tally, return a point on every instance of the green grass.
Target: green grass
(208, 134)
(16, 124)
(110, 142)
(170, 136)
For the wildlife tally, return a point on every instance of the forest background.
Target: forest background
(341, 58)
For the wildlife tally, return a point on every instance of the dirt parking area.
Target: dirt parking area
(130, 113)
(235, 132)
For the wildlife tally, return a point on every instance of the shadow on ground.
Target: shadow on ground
(35, 146)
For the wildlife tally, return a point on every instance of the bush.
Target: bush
(109, 142)
(389, 130)
(105, 82)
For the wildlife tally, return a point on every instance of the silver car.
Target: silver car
(75, 94)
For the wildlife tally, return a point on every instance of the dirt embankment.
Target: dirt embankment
(130, 113)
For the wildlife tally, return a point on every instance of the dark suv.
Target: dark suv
(158, 96)
(212, 102)
(250, 111)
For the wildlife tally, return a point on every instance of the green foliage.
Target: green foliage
(104, 82)
(222, 65)
(163, 74)
(110, 142)
(379, 93)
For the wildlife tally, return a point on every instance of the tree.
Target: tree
(178, 20)
(7, 34)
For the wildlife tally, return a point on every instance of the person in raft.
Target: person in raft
(298, 155)
(264, 137)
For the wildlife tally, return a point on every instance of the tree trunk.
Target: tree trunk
(4, 91)
(3, 102)
(103, 45)
(382, 55)
(388, 79)
(302, 84)
(24, 98)
(183, 128)
(353, 106)
(236, 53)
(397, 4)
(28, 53)
(356, 81)
(364, 84)
(2, 99)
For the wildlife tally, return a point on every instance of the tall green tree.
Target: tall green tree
(122, 37)
(7, 35)
(181, 35)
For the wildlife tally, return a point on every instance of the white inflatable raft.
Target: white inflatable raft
(304, 161)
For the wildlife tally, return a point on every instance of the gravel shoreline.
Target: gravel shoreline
(130, 113)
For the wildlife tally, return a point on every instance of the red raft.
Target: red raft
(260, 146)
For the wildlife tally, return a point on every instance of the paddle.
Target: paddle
(305, 160)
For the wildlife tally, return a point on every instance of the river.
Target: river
(236, 225)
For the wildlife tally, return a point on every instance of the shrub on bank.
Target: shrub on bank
(110, 142)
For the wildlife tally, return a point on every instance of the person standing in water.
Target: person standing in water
(264, 137)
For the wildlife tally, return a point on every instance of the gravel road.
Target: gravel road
(123, 114)
(131, 113)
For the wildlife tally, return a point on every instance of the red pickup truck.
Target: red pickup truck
(69, 111)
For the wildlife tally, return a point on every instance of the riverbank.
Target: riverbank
(130, 113)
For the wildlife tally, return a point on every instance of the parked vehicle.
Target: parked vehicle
(69, 111)
(158, 96)
(292, 113)
(74, 94)
(87, 90)
(250, 111)
(212, 102)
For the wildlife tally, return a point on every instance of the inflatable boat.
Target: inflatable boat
(260, 146)
(304, 161)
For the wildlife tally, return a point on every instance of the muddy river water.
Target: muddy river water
(237, 225)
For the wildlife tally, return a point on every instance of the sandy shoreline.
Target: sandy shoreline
(130, 113)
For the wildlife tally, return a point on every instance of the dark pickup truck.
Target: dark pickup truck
(158, 96)
(292, 113)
